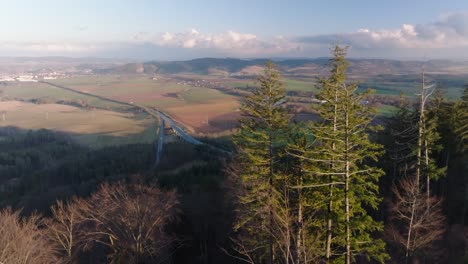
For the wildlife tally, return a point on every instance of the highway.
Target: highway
(159, 143)
(179, 131)
(163, 119)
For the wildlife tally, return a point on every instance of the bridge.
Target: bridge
(163, 120)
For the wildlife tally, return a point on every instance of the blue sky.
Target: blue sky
(188, 29)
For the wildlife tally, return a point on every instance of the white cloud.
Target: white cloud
(450, 31)
(229, 42)
(446, 37)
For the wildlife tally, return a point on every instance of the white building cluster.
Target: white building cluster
(31, 77)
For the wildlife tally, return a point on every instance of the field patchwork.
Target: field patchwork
(88, 126)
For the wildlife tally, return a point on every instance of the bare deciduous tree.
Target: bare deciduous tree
(64, 228)
(21, 240)
(131, 221)
(417, 221)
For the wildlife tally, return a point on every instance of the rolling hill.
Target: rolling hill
(297, 67)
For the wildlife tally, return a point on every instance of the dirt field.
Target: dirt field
(199, 117)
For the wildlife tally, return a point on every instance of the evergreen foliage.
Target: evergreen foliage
(260, 142)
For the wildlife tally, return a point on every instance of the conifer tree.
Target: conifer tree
(462, 124)
(353, 153)
(260, 143)
(432, 146)
(402, 139)
(308, 197)
(338, 164)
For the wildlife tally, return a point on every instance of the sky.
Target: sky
(178, 30)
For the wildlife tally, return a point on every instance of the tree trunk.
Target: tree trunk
(300, 229)
(410, 228)
(329, 221)
(420, 133)
(330, 191)
(428, 178)
(347, 182)
(348, 230)
(270, 197)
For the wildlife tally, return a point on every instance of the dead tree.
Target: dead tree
(416, 220)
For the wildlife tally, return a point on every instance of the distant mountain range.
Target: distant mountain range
(297, 67)
(231, 66)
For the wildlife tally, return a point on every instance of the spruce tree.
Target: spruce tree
(344, 148)
(260, 143)
(309, 196)
(401, 141)
(432, 145)
(462, 124)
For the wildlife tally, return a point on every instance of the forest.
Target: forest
(345, 187)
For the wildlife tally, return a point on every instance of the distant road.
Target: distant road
(90, 94)
(160, 142)
(163, 118)
(179, 131)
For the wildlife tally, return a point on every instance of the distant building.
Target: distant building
(26, 78)
(7, 79)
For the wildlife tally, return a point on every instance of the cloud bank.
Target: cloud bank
(450, 31)
(447, 37)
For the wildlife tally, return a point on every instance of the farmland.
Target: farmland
(188, 104)
(98, 123)
(50, 94)
(204, 101)
(95, 128)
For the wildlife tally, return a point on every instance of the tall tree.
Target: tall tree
(462, 124)
(309, 195)
(401, 141)
(458, 116)
(428, 136)
(343, 141)
(260, 143)
(336, 165)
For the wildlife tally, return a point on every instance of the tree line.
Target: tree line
(311, 192)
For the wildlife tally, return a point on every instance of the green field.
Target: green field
(95, 128)
(290, 84)
(161, 93)
(386, 110)
(299, 85)
(102, 123)
(51, 94)
(452, 86)
(99, 140)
